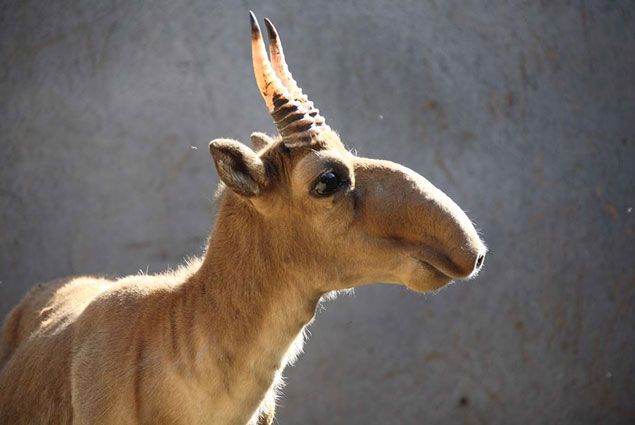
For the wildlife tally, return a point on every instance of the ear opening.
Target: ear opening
(238, 167)
(260, 140)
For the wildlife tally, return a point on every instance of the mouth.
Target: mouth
(431, 269)
(428, 278)
(426, 265)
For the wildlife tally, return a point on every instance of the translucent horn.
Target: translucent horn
(266, 78)
(279, 63)
(294, 115)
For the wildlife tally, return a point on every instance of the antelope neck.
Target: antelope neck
(253, 309)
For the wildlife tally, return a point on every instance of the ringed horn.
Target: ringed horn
(295, 117)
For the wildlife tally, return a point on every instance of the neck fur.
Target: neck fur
(254, 305)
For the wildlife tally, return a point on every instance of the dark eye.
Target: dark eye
(328, 184)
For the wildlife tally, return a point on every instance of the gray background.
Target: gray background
(524, 114)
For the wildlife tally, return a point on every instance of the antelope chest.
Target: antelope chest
(218, 392)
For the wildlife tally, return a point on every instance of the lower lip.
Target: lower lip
(431, 267)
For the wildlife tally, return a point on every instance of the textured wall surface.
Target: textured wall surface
(524, 114)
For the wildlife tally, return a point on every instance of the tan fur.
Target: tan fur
(207, 344)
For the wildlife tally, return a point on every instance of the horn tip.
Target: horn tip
(271, 30)
(255, 29)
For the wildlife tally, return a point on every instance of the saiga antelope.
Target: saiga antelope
(299, 216)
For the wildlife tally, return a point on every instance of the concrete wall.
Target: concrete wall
(524, 114)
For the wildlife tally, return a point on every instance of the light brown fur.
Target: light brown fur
(207, 344)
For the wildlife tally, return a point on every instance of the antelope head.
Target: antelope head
(338, 218)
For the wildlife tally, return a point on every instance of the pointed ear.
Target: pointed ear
(260, 140)
(238, 167)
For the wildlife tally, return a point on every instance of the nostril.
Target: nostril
(479, 261)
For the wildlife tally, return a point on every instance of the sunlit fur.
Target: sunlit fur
(206, 344)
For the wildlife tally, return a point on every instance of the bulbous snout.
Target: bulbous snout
(403, 206)
(447, 240)
(466, 262)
